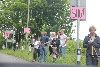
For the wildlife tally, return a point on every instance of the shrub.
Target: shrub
(2, 40)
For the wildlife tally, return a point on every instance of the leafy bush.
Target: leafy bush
(2, 40)
(71, 50)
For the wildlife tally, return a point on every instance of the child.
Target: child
(54, 48)
(36, 50)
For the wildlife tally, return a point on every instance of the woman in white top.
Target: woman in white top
(36, 49)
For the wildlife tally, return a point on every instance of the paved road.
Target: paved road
(5, 58)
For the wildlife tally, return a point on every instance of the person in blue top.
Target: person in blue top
(92, 43)
(43, 47)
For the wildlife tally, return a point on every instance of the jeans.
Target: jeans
(63, 51)
(36, 51)
(91, 61)
(43, 50)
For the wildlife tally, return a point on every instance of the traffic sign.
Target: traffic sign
(26, 30)
(7, 34)
(78, 13)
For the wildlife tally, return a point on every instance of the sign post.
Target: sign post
(7, 34)
(27, 31)
(78, 12)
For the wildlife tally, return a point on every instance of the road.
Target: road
(5, 58)
(12, 61)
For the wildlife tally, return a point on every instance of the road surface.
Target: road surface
(5, 58)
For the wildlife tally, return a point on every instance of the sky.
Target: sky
(92, 18)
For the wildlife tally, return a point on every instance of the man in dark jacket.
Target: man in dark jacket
(43, 47)
(92, 43)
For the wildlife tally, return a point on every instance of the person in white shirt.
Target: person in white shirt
(36, 49)
(63, 41)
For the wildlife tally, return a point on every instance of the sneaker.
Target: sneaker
(33, 60)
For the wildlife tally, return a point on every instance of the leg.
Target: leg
(95, 61)
(54, 60)
(60, 51)
(38, 50)
(88, 60)
(41, 54)
(45, 53)
(50, 49)
(34, 54)
(64, 52)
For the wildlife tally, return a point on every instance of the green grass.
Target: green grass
(71, 57)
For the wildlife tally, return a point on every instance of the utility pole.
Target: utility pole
(79, 15)
(78, 48)
(28, 21)
(28, 12)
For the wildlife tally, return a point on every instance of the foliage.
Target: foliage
(2, 40)
(52, 15)
(45, 15)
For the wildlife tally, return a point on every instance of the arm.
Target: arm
(66, 40)
(65, 37)
(97, 44)
(85, 42)
(52, 42)
(47, 42)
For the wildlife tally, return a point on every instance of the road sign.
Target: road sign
(81, 3)
(75, 3)
(26, 30)
(7, 34)
(78, 13)
(9, 40)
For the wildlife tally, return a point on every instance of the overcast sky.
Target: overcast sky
(92, 18)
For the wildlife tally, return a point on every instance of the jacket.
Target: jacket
(93, 48)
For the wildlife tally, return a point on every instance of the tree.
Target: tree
(53, 15)
(45, 15)
(15, 15)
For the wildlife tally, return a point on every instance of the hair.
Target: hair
(63, 30)
(45, 33)
(32, 35)
(92, 27)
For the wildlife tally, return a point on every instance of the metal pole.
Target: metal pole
(28, 13)
(6, 42)
(78, 49)
(27, 21)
